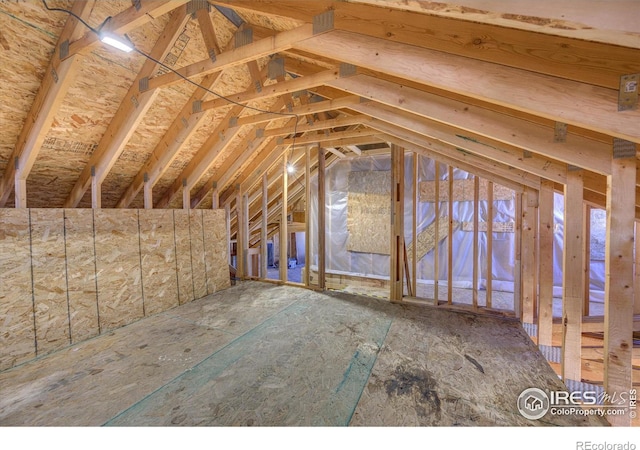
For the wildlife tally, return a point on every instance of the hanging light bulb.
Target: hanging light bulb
(290, 168)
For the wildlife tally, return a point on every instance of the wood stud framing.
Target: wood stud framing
(573, 277)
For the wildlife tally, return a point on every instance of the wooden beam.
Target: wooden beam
(619, 289)
(130, 113)
(275, 90)
(489, 261)
(450, 239)
(529, 220)
(414, 225)
(478, 124)
(321, 219)
(307, 204)
(57, 80)
(636, 284)
(208, 33)
(586, 223)
(215, 196)
(126, 21)
(226, 173)
(259, 49)
(573, 277)
(284, 212)
(476, 242)
(177, 135)
(319, 125)
(496, 171)
(397, 224)
(517, 266)
(538, 165)
(240, 220)
(311, 108)
(546, 227)
(460, 31)
(332, 136)
(553, 97)
(263, 229)
(436, 229)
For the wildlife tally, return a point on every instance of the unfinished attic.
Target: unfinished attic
(289, 213)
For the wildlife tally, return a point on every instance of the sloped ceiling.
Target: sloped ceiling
(483, 84)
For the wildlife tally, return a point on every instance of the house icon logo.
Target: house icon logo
(533, 403)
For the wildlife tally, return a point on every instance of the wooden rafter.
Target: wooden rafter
(54, 87)
(127, 20)
(261, 48)
(173, 140)
(481, 122)
(555, 98)
(128, 116)
(577, 59)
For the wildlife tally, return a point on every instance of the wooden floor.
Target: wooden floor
(259, 354)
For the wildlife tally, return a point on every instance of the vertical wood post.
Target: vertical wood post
(96, 191)
(397, 224)
(264, 256)
(636, 286)
(436, 247)
(586, 223)
(476, 240)
(307, 215)
(246, 263)
(20, 191)
(450, 240)
(545, 314)
(414, 225)
(517, 266)
(619, 289)
(528, 281)
(284, 258)
(573, 276)
(215, 196)
(489, 275)
(147, 194)
(321, 218)
(239, 238)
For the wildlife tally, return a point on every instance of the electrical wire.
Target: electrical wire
(171, 69)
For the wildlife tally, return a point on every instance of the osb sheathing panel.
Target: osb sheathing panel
(369, 212)
(197, 253)
(183, 255)
(29, 35)
(118, 267)
(49, 280)
(215, 250)
(463, 191)
(157, 247)
(81, 274)
(17, 333)
(426, 238)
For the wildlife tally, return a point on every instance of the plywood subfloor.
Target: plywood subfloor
(262, 354)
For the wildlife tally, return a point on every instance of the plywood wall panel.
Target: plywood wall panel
(197, 254)
(157, 247)
(17, 333)
(215, 250)
(118, 267)
(183, 255)
(49, 280)
(81, 274)
(369, 212)
(463, 191)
